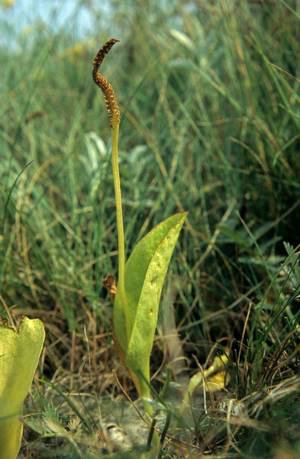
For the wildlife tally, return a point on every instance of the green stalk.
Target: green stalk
(114, 116)
(144, 388)
(119, 211)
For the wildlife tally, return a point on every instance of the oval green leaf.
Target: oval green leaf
(135, 318)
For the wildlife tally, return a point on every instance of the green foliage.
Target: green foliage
(135, 320)
(19, 355)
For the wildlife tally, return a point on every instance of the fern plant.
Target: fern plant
(141, 277)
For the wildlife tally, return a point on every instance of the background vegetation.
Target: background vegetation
(209, 92)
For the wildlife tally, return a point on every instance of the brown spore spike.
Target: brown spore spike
(107, 89)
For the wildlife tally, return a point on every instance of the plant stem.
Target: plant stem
(119, 211)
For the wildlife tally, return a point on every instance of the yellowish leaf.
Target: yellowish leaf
(214, 378)
(216, 382)
(19, 356)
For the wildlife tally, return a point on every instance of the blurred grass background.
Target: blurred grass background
(209, 94)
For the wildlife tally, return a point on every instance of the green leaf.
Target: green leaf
(19, 356)
(135, 317)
